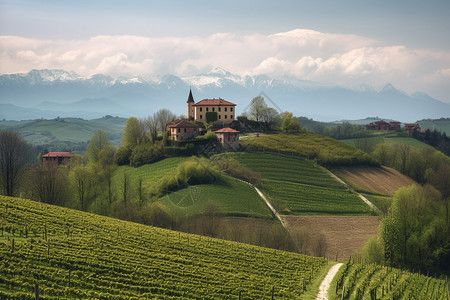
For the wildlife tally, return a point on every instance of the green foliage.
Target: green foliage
(98, 141)
(210, 135)
(146, 153)
(91, 256)
(234, 168)
(122, 155)
(371, 281)
(133, 133)
(415, 232)
(191, 172)
(289, 123)
(324, 150)
(211, 116)
(257, 107)
(298, 186)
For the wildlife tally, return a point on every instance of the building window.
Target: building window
(207, 109)
(231, 116)
(220, 117)
(231, 109)
(179, 130)
(185, 130)
(201, 108)
(225, 116)
(201, 116)
(225, 109)
(219, 108)
(213, 109)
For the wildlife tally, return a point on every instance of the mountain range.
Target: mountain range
(52, 93)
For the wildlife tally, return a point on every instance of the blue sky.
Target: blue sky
(344, 42)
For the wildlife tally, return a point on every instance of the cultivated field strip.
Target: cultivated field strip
(73, 254)
(298, 186)
(372, 281)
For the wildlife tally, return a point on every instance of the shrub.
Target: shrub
(211, 116)
(145, 154)
(122, 155)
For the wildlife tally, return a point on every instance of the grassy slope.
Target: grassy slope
(232, 196)
(68, 129)
(297, 186)
(441, 125)
(389, 139)
(89, 256)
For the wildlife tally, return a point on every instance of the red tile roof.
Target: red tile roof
(226, 130)
(219, 101)
(181, 124)
(58, 154)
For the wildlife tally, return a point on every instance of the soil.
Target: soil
(325, 285)
(381, 180)
(335, 237)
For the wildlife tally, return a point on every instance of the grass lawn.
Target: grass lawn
(233, 198)
(298, 186)
(389, 139)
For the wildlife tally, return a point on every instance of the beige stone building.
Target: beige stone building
(210, 110)
(229, 138)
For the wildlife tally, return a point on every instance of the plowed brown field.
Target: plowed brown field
(341, 236)
(381, 180)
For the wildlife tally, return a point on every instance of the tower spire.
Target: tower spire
(190, 98)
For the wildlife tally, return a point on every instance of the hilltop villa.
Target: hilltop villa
(182, 130)
(210, 110)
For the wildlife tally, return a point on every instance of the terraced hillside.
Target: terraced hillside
(372, 281)
(298, 186)
(73, 254)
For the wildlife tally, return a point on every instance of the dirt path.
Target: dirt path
(325, 285)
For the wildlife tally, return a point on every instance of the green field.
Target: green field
(442, 125)
(233, 197)
(298, 186)
(370, 281)
(324, 150)
(39, 132)
(389, 139)
(72, 254)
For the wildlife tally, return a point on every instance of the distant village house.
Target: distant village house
(410, 128)
(56, 158)
(383, 125)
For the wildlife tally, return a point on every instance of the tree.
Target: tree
(15, 157)
(268, 115)
(257, 107)
(49, 184)
(83, 180)
(162, 117)
(106, 167)
(133, 133)
(98, 141)
(289, 123)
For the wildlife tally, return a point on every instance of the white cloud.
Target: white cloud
(331, 58)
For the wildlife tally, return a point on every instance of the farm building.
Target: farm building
(182, 130)
(56, 158)
(410, 128)
(383, 125)
(229, 138)
(210, 110)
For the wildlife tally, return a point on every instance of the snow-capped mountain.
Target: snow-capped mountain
(48, 92)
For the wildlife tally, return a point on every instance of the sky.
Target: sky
(347, 43)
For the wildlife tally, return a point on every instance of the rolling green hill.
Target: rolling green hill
(38, 132)
(73, 254)
(442, 125)
(233, 197)
(324, 150)
(298, 186)
(389, 138)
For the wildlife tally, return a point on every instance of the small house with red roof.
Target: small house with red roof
(56, 158)
(181, 130)
(229, 138)
(410, 128)
(210, 110)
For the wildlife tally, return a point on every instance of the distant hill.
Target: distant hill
(43, 131)
(442, 124)
(140, 97)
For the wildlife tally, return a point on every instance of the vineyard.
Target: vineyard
(73, 254)
(298, 186)
(361, 281)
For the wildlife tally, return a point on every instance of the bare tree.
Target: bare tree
(163, 116)
(15, 157)
(257, 107)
